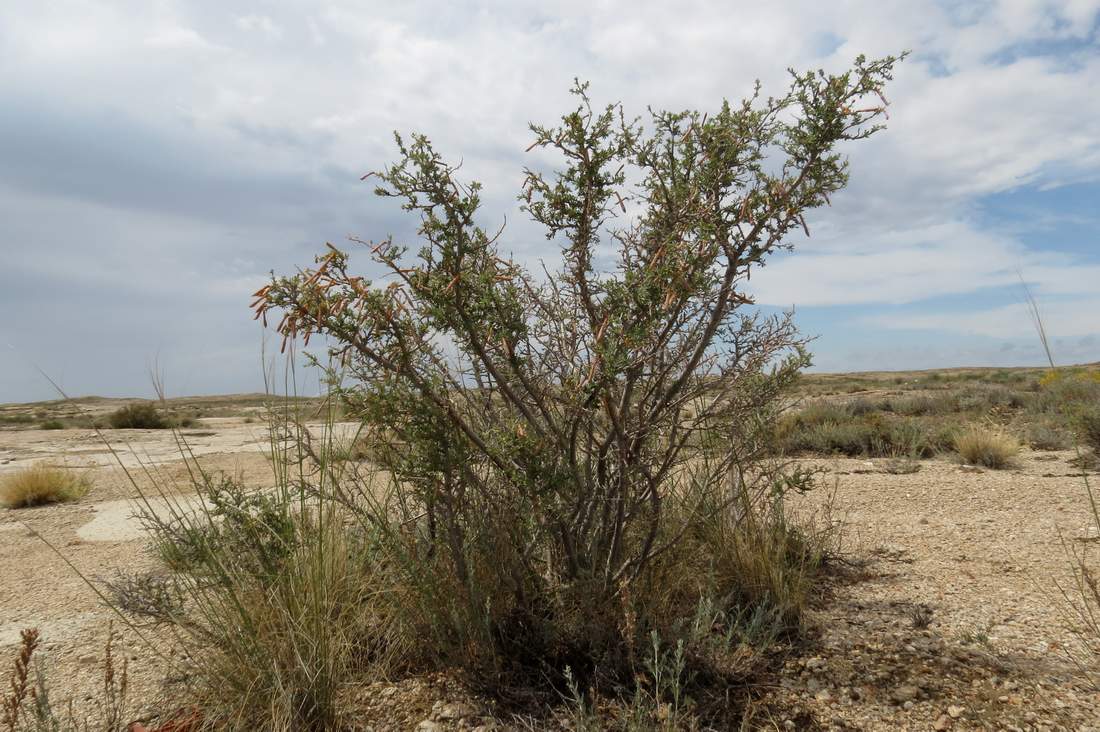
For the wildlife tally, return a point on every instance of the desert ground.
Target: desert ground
(943, 611)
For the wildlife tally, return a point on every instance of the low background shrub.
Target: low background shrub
(141, 416)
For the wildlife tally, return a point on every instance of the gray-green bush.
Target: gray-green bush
(140, 416)
(862, 428)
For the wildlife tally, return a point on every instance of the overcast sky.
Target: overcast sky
(158, 159)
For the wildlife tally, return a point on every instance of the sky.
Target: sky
(159, 159)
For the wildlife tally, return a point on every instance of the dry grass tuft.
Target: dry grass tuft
(11, 705)
(991, 447)
(41, 484)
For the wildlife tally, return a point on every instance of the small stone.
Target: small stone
(904, 693)
(908, 705)
(815, 663)
(942, 722)
(429, 726)
(788, 724)
(823, 696)
(955, 711)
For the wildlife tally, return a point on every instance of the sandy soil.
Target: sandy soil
(985, 552)
(982, 550)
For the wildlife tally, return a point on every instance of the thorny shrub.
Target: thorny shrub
(552, 437)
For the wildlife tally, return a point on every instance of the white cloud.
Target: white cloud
(189, 115)
(260, 24)
(1061, 318)
(177, 37)
(897, 267)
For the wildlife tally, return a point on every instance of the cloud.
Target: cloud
(1061, 318)
(260, 24)
(921, 263)
(177, 37)
(188, 148)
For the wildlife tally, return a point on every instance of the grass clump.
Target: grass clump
(52, 424)
(41, 484)
(140, 416)
(279, 597)
(990, 447)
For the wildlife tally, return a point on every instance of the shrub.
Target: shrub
(1088, 427)
(862, 405)
(549, 471)
(850, 438)
(52, 424)
(143, 416)
(991, 447)
(1067, 395)
(854, 430)
(983, 398)
(923, 405)
(234, 521)
(41, 484)
(1042, 436)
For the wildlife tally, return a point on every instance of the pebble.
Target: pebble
(904, 693)
(955, 711)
